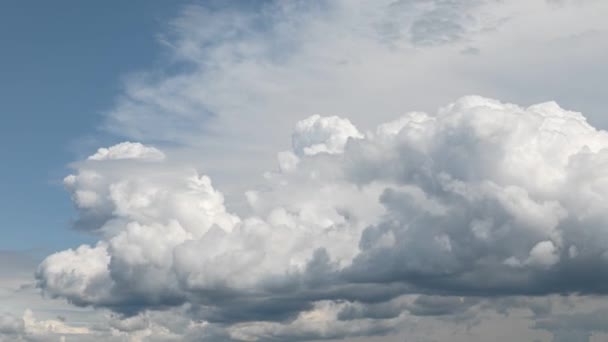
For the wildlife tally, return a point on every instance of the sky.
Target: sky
(418, 170)
(61, 64)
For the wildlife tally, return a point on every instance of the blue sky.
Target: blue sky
(61, 64)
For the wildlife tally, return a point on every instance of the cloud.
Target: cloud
(10, 325)
(229, 68)
(318, 134)
(427, 23)
(481, 198)
(28, 328)
(576, 327)
(234, 78)
(128, 150)
(502, 219)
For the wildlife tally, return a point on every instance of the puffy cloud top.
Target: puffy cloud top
(128, 150)
(318, 134)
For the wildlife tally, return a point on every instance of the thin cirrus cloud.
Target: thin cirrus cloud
(371, 222)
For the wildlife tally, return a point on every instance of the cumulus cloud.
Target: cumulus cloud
(318, 134)
(480, 198)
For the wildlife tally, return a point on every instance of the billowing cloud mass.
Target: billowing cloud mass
(354, 232)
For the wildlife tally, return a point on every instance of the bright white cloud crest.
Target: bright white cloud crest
(128, 150)
(480, 197)
(318, 134)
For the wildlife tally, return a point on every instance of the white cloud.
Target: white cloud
(28, 328)
(448, 196)
(128, 150)
(318, 134)
(544, 254)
